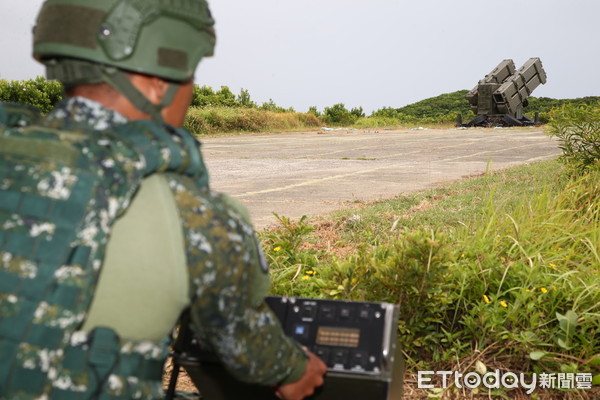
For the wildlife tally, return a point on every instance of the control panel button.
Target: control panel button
(339, 358)
(301, 331)
(322, 353)
(364, 313)
(345, 313)
(358, 360)
(327, 313)
(309, 312)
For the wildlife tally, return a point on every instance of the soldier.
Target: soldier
(108, 229)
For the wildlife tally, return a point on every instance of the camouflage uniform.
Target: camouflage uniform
(52, 246)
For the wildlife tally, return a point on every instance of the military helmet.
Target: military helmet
(164, 38)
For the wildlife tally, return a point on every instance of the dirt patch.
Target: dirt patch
(328, 238)
(422, 206)
(184, 382)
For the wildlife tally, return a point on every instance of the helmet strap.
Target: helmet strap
(119, 80)
(77, 72)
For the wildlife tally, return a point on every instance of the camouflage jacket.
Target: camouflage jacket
(228, 276)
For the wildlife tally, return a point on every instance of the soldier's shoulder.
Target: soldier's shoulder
(18, 115)
(197, 202)
(94, 154)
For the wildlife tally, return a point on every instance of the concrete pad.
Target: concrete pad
(311, 173)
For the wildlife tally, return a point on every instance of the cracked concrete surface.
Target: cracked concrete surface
(311, 173)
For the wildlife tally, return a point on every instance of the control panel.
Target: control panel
(357, 341)
(350, 337)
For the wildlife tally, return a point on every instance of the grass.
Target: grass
(499, 271)
(227, 120)
(220, 120)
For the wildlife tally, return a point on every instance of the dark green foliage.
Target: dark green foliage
(386, 112)
(358, 112)
(226, 97)
(313, 110)
(271, 106)
(339, 115)
(444, 104)
(445, 107)
(545, 104)
(439, 109)
(205, 96)
(244, 99)
(36, 92)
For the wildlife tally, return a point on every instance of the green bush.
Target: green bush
(577, 127)
(339, 115)
(543, 105)
(313, 110)
(271, 106)
(204, 96)
(244, 99)
(36, 92)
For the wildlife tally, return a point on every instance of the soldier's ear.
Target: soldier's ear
(158, 88)
(152, 87)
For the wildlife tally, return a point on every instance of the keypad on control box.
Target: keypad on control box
(345, 335)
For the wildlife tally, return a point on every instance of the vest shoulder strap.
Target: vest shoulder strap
(18, 115)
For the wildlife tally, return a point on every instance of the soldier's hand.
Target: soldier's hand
(305, 386)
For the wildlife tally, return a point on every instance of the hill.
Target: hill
(456, 103)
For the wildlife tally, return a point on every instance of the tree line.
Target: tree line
(44, 94)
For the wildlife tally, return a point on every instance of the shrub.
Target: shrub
(313, 110)
(271, 106)
(244, 99)
(36, 92)
(309, 119)
(577, 128)
(339, 115)
(205, 96)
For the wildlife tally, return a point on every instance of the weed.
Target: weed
(577, 128)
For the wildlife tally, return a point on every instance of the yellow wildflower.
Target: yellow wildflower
(552, 265)
(486, 299)
(278, 248)
(527, 290)
(306, 277)
(503, 303)
(544, 290)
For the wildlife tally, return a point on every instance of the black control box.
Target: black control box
(350, 337)
(357, 341)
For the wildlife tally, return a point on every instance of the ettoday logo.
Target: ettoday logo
(508, 380)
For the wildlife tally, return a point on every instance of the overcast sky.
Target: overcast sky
(374, 53)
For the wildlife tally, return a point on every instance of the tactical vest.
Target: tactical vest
(60, 193)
